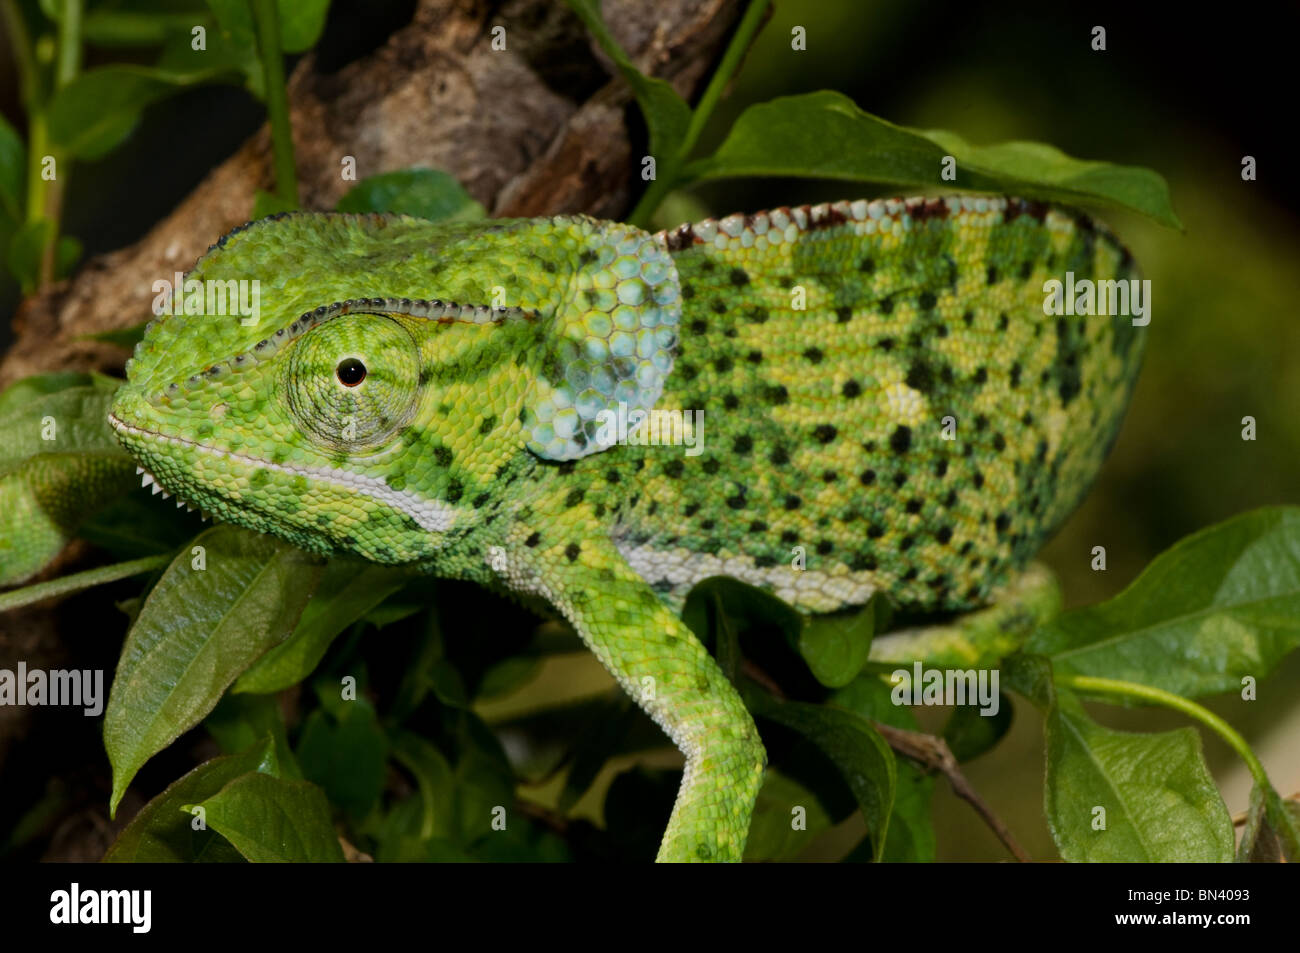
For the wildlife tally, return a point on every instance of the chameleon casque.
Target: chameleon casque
(431, 394)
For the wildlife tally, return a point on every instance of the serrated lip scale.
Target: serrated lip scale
(148, 479)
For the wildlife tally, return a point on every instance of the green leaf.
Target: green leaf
(268, 203)
(301, 23)
(862, 756)
(141, 24)
(1159, 800)
(164, 833)
(13, 169)
(127, 337)
(346, 755)
(425, 193)
(783, 801)
(825, 135)
(348, 590)
(1218, 606)
(600, 741)
(269, 820)
(969, 734)
(59, 462)
(666, 114)
(92, 114)
(198, 630)
(836, 646)
(239, 721)
(1283, 819)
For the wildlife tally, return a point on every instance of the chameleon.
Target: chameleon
(875, 383)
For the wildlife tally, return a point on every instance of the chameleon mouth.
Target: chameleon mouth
(430, 515)
(148, 479)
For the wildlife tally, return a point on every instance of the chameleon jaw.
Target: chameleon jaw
(432, 516)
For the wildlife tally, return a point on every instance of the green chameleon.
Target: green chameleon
(882, 392)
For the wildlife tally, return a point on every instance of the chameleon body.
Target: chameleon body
(880, 385)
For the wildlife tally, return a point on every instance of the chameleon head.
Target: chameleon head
(379, 426)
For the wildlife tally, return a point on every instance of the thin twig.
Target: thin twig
(933, 753)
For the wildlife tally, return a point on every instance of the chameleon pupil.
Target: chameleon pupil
(351, 372)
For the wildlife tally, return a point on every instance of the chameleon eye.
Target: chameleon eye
(350, 372)
(323, 378)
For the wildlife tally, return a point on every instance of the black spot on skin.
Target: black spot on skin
(992, 275)
(926, 301)
(481, 499)
(574, 497)
(910, 575)
(688, 291)
(691, 509)
(731, 401)
(814, 355)
(944, 535)
(824, 433)
(886, 306)
(875, 531)
(968, 318)
(885, 344)
(612, 476)
(719, 306)
(951, 499)
(723, 364)
(567, 467)
(764, 562)
(779, 456)
(981, 423)
(862, 562)
(739, 277)
(687, 371)
(1002, 523)
(758, 315)
(1003, 321)
(867, 477)
(941, 330)
(586, 256)
(843, 314)
(426, 375)
(824, 547)
(920, 377)
(793, 502)
(789, 536)
(900, 441)
(486, 426)
(899, 479)
(1027, 419)
(707, 524)
(455, 490)
(913, 506)
(941, 467)
(851, 389)
(1015, 374)
(711, 465)
(867, 267)
(673, 468)
(754, 357)
(906, 543)
(736, 502)
(999, 442)
(978, 480)
(743, 444)
(981, 376)
(829, 476)
(778, 395)
(442, 456)
(571, 551)
(1026, 269)
(699, 326)
(758, 526)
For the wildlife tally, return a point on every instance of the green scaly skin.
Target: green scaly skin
(471, 447)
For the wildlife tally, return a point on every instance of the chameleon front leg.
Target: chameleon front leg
(666, 670)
